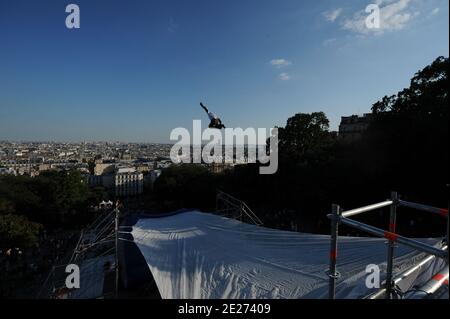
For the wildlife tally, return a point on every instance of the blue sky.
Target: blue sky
(137, 69)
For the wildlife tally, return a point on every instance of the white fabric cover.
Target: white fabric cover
(92, 278)
(198, 255)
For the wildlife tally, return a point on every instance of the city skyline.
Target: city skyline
(134, 72)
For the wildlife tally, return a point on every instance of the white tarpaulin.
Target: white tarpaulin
(199, 255)
(92, 276)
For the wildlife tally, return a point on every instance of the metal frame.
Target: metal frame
(403, 275)
(333, 273)
(430, 287)
(101, 234)
(225, 203)
(116, 255)
(391, 245)
(338, 216)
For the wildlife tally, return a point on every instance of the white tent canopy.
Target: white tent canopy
(198, 255)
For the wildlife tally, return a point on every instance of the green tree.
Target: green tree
(6, 206)
(305, 137)
(410, 133)
(65, 193)
(427, 94)
(186, 186)
(91, 166)
(17, 231)
(49, 198)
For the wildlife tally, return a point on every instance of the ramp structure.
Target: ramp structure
(200, 255)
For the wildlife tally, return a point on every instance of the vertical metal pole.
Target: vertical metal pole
(391, 245)
(116, 293)
(332, 273)
(448, 238)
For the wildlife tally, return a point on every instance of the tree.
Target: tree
(49, 198)
(97, 194)
(427, 94)
(6, 206)
(17, 231)
(305, 137)
(186, 186)
(410, 132)
(65, 193)
(91, 166)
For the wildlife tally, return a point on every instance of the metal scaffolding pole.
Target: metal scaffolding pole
(448, 238)
(402, 276)
(400, 239)
(338, 217)
(433, 285)
(391, 245)
(438, 211)
(116, 286)
(365, 209)
(332, 272)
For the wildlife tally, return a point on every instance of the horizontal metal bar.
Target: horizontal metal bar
(433, 285)
(426, 208)
(408, 272)
(400, 239)
(364, 209)
(403, 275)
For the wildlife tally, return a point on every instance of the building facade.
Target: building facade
(121, 182)
(352, 127)
(128, 182)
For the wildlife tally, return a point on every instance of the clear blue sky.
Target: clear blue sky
(137, 69)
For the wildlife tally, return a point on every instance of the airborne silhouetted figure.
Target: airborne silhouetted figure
(215, 120)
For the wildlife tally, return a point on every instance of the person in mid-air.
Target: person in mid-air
(215, 120)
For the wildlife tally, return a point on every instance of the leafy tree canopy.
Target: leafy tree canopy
(305, 137)
(17, 231)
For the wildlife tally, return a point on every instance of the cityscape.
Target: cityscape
(107, 164)
(91, 159)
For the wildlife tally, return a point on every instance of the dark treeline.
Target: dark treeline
(39, 222)
(51, 201)
(404, 149)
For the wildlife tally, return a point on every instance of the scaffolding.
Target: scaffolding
(98, 243)
(338, 216)
(229, 206)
